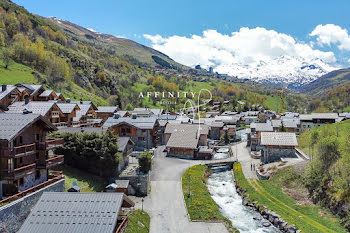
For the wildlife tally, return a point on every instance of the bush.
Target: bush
(145, 161)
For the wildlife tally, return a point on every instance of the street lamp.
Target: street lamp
(142, 203)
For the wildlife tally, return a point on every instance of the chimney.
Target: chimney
(26, 111)
(26, 100)
(134, 116)
(68, 100)
(3, 87)
(116, 116)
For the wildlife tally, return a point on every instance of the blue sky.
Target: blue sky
(134, 18)
(170, 24)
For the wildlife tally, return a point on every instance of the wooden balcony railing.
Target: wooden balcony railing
(18, 172)
(50, 144)
(58, 176)
(122, 227)
(51, 162)
(60, 124)
(18, 151)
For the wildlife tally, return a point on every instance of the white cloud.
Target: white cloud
(242, 52)
(332, 34)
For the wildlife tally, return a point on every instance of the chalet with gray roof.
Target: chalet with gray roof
(142, 130)
(87, 111)
(309, 121)
(104, 112)
(49, 110)
(57, 212)
(34, 91)
(8, 95)
(69, 111)
(277, 145)
(126, 147)
(183, 140)
(24, 151)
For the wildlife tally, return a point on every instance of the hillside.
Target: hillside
(328, 175)
(128, 49)
(322, 85)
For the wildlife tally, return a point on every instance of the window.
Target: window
(20, 140)
(128, 130)
(37, 155)
(143, 130)
(37, 174)
(21, 160)
(141, 138)
(21, 181)
(37, 137)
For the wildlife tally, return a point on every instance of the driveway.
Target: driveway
(165, 204)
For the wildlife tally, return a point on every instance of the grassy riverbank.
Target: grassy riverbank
(307, 217)
(200, 205)
(138, 222)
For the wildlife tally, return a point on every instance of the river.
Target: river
(221, 187)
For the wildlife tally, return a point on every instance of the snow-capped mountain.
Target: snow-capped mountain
(281, 70)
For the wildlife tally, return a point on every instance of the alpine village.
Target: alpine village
(102, 134)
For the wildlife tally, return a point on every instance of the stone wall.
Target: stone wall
(13, 215)
(269, 155)
(138, 182)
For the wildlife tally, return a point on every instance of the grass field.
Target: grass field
(86, 181)
(138, 222)
(307, 218)
(273, 102)
(16, 73)
(200, 205)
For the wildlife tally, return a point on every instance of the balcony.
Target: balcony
(51, 144)
(18, 172)
(60, 124)
(51, 162)
(18, 151)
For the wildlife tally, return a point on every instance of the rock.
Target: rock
(292, 229)
(266, 224)
(257, 218)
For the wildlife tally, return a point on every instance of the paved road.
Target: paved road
(165, 204)
(245, 159)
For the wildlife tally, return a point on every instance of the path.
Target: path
(246, 160)
(165, 204)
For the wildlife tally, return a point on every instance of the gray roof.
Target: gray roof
(14, 123)
(107, 109)
(184, 135)
(58, 212)
(139, 122)
(98, 130)
(122, 183)
(123, 142)
(167, 117)
(66, 108)
(46, 93)
(33, 88)
(262, 127)
(287, 123)
(36, 107)
(278, 139)
(9, 90)
(155, 111)
(319, 116)
(84, 108)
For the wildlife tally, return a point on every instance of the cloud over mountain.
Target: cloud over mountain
(332, 34)
(255, 53)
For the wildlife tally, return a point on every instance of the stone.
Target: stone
(266, 224)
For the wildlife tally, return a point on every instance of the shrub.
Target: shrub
(145, 161)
